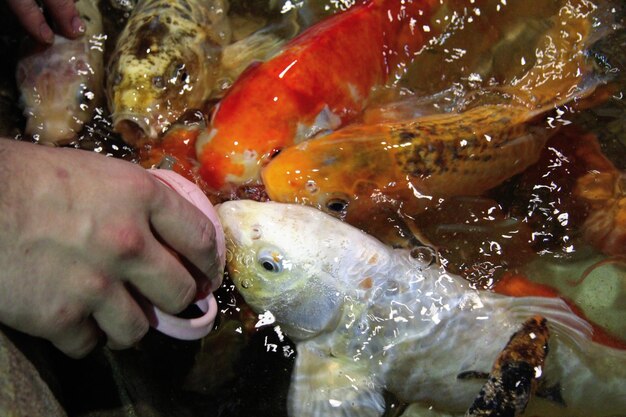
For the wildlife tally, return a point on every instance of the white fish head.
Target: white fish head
(59, 88)
(288, 259)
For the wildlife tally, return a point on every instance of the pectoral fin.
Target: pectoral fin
(327, 386)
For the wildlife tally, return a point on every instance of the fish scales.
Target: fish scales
(368, 318)
(447, 154)
(166, 60)
(471, 152)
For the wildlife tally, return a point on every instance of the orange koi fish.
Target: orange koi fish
(320, 81)
(441, 155)
(175, 149)
(412, 164)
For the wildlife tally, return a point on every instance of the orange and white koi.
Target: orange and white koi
(441, 155)
(320, 81)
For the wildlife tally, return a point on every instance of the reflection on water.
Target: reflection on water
(532, 223)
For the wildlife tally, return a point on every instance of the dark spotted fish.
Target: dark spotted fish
(173, 55)
(166, 60)
(515, 373)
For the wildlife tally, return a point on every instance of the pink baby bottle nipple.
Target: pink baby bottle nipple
(193, 328)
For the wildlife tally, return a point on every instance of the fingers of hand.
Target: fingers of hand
(95, 304)
(76, 335)
(63, 13)
(163, 280)
(32, 19)
(189, 233)
(66, 17)
(136, 257)
(120, 318)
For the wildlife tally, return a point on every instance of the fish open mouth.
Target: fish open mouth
(133, 128)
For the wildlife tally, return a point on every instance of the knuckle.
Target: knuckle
(143, 185)
(64, 4)
(206, 242)
(66, 317)
(126, 241)
(30, 9)
(97, 286)
(216, 275)
(138, 329)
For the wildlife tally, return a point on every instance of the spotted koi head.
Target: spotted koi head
(166, 62)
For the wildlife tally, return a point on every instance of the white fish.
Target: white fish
(367, 319)
(61, 84)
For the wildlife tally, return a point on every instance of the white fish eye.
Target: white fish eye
(271, 261)
(425, 255)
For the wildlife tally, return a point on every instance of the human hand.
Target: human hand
(83, 235)
(63, 13)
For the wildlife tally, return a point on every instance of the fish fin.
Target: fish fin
(564, 72)
(561, 319)
(327, 386)
(259, 46)
(519, 286)
(469, 375)
(550, 392)
(609, 13)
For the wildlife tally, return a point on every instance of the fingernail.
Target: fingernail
(46, 33)
(77, 25)
(203, 290)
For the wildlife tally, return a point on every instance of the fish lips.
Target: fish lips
(136, 128)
